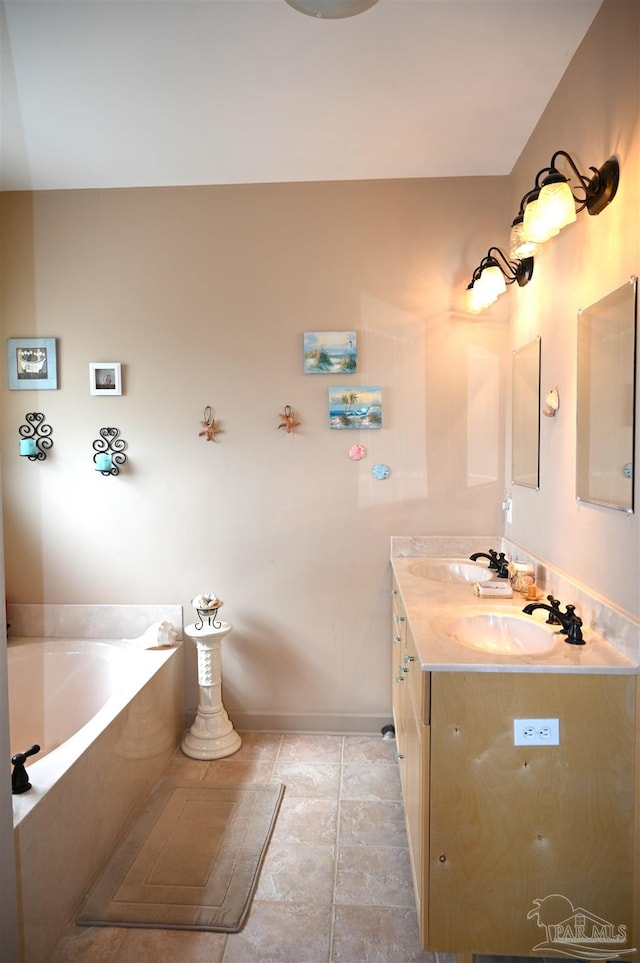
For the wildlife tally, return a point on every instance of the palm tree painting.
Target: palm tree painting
(359, 407)
(330, 352)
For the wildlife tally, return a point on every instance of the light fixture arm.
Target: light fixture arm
(599, 190)
(520, 270)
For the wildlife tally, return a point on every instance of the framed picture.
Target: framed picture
(355, 407)
(330, 352)
(32, 363)
(105, 378)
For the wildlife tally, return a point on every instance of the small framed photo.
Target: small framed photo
(32, 363)
(105, 378)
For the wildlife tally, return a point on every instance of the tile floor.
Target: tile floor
(335, 886)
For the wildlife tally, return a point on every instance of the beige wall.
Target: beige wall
(594, 113)
(203, 296)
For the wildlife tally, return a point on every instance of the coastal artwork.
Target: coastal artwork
(359, 407)
(330, 352)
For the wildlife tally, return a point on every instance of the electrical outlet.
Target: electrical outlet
(536, 732)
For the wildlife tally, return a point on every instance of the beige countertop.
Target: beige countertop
(431, 606)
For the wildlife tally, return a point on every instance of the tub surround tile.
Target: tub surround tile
(89, 621)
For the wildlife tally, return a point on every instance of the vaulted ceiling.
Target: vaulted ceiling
(121, 93)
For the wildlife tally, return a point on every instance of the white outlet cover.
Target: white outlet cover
(536, 732)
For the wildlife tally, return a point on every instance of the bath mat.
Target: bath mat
(191, 860)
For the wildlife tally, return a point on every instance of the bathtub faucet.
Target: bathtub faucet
(19, 778)
(497, 562)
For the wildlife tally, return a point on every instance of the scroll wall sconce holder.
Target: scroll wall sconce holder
(109, 452)
(35, 438)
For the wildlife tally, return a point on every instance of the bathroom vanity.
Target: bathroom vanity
(528, 849)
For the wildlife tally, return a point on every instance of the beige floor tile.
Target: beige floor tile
(373, 750)
(88, 944)
(282, 933)
(312, 780)
(234, 772)
(170, 946)
(370, 782)
(372, 823)
(374, 876)
(303, 820)
(310, 748)
(377, 934)
(298, 872)
(258, 745)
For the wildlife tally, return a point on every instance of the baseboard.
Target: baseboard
(343, 724)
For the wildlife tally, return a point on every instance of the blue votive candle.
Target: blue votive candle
(28, 446)
(103, 462)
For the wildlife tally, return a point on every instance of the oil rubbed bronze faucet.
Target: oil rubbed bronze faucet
(497, 562)
(570, 622)
(19, 778)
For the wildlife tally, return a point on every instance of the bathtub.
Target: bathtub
(108, 716)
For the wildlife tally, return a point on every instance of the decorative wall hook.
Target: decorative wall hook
(210, 425)
(109, 451)
(551, 402)
(288, 419)
(35, 438)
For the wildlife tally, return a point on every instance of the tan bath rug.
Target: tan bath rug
(190, 861)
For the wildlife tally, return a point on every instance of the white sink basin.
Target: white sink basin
(452, 570)
(503, 633)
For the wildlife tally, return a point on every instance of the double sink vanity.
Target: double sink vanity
(516, 752)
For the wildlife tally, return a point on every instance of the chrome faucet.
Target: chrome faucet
(570, 622)
(497, 562)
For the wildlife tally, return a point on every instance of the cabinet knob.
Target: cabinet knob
(399, 618)
(399, 756)
(397, 638)
(409, 658)
(399, 676)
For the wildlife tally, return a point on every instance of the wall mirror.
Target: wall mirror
(606, 399)
(525, 439)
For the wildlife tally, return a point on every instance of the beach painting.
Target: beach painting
(359, 407)
(330, 352)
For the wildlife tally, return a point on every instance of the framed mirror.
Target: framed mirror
(525, 429)
(605, 431)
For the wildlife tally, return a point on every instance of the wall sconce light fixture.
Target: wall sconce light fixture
(552, 204)
(35, 438)
(109, 451)
(491, 277)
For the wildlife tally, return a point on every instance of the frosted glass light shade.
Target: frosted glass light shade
(331, 9)
(493, 282)
(535, 227)
(556, 205)
(519, 246)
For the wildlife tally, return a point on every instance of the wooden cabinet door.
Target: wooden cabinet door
(512, 826)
